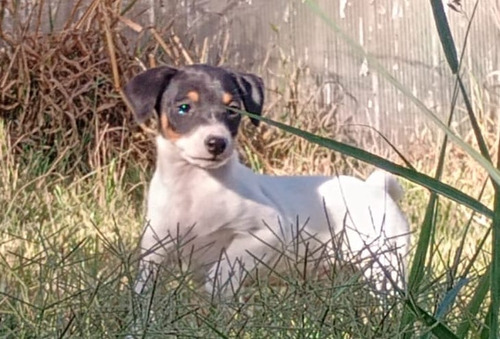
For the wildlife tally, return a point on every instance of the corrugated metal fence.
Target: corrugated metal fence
(270, 36)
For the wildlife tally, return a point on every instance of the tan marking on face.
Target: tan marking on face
(226, 98)
(194, 96)
(166, 130)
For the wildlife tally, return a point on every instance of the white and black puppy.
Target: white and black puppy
(204, 205)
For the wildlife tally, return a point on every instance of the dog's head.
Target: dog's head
(192, 104)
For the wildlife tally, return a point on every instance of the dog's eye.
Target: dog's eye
(231, 113)
(183, 109)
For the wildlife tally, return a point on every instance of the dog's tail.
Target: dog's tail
(387, 182)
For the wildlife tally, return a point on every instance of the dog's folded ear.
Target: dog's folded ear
(145, 90)
(251, 90)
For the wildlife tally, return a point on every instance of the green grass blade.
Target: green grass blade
(450, 52)
(449, 298)
(388, 142)
(427, 229)
(418, 264)
(445, 36)
(451, 55)
(212, 326)
(437, 328)
(474, 305)
(483, 148)
(494, 310)
(486, 332)
(373, 159)
(492, 321)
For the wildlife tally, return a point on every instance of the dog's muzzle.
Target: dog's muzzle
(215, 145)
(209, 146)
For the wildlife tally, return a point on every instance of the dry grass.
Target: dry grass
(60, 99)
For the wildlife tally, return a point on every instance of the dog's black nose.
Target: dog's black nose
(215, 145)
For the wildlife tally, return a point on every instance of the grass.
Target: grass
(428, 228)
(68, 262)
(74, 173)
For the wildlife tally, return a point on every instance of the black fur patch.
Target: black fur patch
(166, 89)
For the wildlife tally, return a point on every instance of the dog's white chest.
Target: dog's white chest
(203, 205)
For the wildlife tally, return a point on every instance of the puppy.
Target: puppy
(206, 207)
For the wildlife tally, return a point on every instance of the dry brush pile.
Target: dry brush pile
(60, 93)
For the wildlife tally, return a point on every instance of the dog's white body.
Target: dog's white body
(249, 217)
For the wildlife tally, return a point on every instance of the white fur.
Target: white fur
(194, 152)
(231, 218)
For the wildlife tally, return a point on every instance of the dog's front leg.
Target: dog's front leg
(244, 253)
(154, 247)
(148, 269)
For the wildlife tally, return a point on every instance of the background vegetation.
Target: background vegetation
(74, 169)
